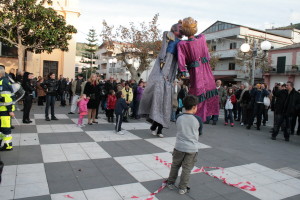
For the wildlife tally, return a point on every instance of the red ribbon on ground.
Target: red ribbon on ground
(242, 185)
(69, 196)
(152, 195)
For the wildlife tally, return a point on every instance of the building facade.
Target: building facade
(225, 39)
(108, 65)
(285, 65)
(59, 62)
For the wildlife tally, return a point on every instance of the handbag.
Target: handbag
(228, 105)
(267, 101)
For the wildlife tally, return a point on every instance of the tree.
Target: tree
(246, 59)
(214, 59)
(89, 50)
(29, 26)
(141, 43)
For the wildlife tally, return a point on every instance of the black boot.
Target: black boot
(112, 120)
(108, 119)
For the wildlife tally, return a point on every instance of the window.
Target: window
(233, 45)
(231, 66)
(213, 48)
(7, 50)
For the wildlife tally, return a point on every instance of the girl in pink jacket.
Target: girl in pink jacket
(82, 105)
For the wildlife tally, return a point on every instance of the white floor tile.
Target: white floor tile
(7, 192)
(134, 189)
(29, 178)
(294, 182)
(8, 180)
(168, 143)
(94, 151)
(282, 189)
(277, 175)
(136, 126)
(85, 121)
(29, 168)
(11, 169)
(257, 167)
(101, 136)
(265, 194)
(44, 129)
(135, 167)
(126, 160)
(29, 139)
(259, 179)
(31, 190)
(143, 176)
(107, 193)
(69, 195)
(53, 153)
(241, 171)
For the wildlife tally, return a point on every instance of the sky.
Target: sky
(260, 14)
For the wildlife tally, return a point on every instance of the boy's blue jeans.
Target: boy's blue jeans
(186, 161)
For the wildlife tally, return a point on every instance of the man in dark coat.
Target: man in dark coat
(287, 105)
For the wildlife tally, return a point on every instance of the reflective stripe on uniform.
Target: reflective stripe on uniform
(5, 121)
(7, 138)
(5, 92)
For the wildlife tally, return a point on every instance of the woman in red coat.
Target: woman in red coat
(231, 99)
(111, 104)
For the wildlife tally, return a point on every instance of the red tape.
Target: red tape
(242, 185)
(69, 196)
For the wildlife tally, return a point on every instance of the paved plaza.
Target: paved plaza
(59, 161)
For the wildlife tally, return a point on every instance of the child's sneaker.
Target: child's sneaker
(232, 124)
(153, 133)
(225, 124)
(160, 135)
(242, 124)
(79, 125)
(171, 186)
(182, 191)
(120, 132)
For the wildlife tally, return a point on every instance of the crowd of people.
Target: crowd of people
(249, 105)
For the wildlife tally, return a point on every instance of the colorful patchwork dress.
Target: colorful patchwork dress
(193, 56)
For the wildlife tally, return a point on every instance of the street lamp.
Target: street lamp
(245, 48)
(112, 63)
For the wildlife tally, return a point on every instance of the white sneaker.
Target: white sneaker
(153, 133)
(160, 135)
(171, 186)
(120, 133)
(182, 191)
(79, 125)
(242, 124)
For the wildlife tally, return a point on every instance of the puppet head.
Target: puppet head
(176, 29)
(189, 26)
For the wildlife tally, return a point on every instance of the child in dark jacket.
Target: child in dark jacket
(120, 108)
(111, 104)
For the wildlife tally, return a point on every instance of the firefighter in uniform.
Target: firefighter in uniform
(6, 112)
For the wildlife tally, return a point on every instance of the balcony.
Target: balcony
(116, 70)
(288, 70)
(228, 53)
(225, 72)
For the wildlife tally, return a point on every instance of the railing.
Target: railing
(289, 69)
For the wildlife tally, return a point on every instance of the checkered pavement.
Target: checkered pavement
(58, 160)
